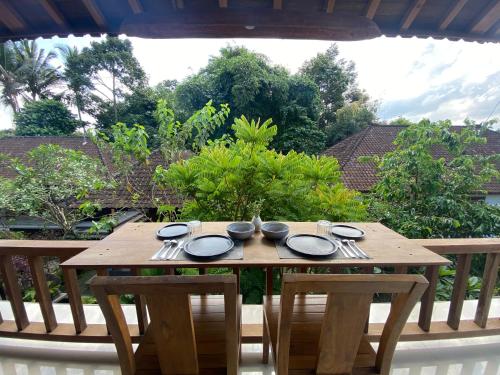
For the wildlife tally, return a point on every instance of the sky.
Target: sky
(412, 78)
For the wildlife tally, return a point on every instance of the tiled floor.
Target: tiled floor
(478, 356)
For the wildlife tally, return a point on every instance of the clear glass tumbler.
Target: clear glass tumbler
(323, 228)
(194, 227)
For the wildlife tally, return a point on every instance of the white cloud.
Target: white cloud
(394, 71)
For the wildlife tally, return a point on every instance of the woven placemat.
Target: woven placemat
(235, 253)
(284, 252)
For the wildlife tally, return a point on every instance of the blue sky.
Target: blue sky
(414, 78)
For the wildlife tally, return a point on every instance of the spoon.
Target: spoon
(156, 256)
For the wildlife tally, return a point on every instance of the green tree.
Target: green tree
(108, 70)
(11, 86)
(402, 121)
(53, 184)
(35, 70)
(45, 117)
(229, 176)
(336, 79)
(137, 107)
(421, 195)
(255, 88)
(350, 119)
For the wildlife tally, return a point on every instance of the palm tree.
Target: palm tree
(11, 88)
(36, 72)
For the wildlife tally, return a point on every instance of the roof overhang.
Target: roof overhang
(343, 20)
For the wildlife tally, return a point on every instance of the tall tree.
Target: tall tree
(255, 88)
(11, 87)
(110, 70)
(337, 82)
(77, 81)
(35, 70)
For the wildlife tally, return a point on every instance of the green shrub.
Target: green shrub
(229, 176)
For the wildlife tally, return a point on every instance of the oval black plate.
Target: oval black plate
(209, 245)
(311, 244)
(172, 231)
(347, 231)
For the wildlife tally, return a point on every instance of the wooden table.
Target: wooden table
(133, 244)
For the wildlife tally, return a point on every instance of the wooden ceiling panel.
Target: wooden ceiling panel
(312, 19)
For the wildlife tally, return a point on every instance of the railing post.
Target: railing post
(140, 307)
(42, 292)
(459, 289)
(269, 281)
(75, 299)
(489, 280)
(13, 291)
(427, 304)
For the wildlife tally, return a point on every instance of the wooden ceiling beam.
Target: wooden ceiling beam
(412, 13)
(487, 18)
(223, 3)
(136, 6)
(329, 6)
(371, 9)
(95, 13)
(278, 4)
(178, 4)
(452, 13)
(54, 13)
(10, 17)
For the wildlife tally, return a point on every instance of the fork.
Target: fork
(355, 245)
(157, 255)
(344, 249)
(176, 251)
(354, 249)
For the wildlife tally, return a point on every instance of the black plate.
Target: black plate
(172, 231)
(311, 244)
(347, 231)
(209, 245)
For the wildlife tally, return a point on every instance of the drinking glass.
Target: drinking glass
(194, 228)
(323, 228)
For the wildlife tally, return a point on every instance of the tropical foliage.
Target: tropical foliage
(229, 176)
(53, 184)
(45, 117)
(423, 194)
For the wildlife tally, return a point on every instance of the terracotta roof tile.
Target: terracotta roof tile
(378, 140)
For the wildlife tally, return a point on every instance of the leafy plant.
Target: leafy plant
(444, 287)
(54, 184)
(45, 117)
(422, 194)
(225, 180)
(30, 293)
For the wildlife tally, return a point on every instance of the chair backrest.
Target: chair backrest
(169, 305)
(347, 309)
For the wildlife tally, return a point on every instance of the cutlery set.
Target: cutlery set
(350, 249)
(169, 250)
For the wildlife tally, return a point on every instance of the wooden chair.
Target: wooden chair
(324, 334)
(188, 333)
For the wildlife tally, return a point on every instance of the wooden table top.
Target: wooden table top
(133, 244)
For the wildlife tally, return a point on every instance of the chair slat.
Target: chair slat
(487, 289)
(425, 316)
(42, 292)
(13, 291)
(459, 289)
(172, 327)
(341, 332)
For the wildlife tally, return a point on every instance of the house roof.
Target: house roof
(121, 197)
(378, 140)
(476, 20)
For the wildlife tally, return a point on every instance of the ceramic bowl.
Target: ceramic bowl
(274, 230)
(240, 230)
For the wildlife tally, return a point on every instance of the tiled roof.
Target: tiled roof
(119, 198)
(378, 140)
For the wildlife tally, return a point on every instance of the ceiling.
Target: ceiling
(342, 20)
